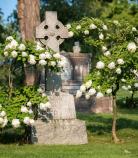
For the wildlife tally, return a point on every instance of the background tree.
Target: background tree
(29, 18)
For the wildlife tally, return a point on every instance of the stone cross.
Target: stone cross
(51, 32)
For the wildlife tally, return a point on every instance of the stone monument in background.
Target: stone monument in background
(63, 128)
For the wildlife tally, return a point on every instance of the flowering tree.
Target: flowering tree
(20, 106)
(117, 58)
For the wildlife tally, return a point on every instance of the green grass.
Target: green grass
(99, 134)
(99, 146)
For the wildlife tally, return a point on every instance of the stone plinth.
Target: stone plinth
(64, 128)
(63, 106)
(60, 132)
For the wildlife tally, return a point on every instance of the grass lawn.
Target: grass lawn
(100, 144)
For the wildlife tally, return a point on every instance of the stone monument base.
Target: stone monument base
(59, 132)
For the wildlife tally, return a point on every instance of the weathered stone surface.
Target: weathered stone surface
(93, 105)
(51, 32)
(63, 106)
(102, 105)
(60, 132)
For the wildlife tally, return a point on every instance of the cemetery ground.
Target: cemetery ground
(99, 135)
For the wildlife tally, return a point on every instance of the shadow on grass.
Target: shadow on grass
(103, 124)
(9, 136)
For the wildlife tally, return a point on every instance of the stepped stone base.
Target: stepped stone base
(59, 132)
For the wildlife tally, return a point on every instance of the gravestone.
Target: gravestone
(63, 128)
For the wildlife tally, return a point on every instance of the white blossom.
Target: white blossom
(68, 26)
(6, 54)
(123, 80)
(57, 55)
(104, 48)
(136, 85)
(105, 27)
(43, 94)
(129, 87)
(29, 103)
(42, 56)
(87, 96)
(47, 105)
(107, 53)
(13, 44)
(109, 91)
(40, 90)
(42, 106)
(99, 95)
(3, 114)
(132, 47)
(53, 63)
(24, 54)
(14, 54)
(42, 62)
(120, 61)
(9, 38)
(88, 84)
(61, 63)
(118, 71)
(70, 34)
(78, 27)
(83, 88)
(32, 122)
(124, 87)
(30, 111)
(116, 22)
(26, 121)
(16, 123)
(86, 32)
(24, 109)
(92, 91)
(111, 65)
(93, 26)
(48, 55)
(78, 94)
(134, 29)
(100, 65)
(5, 121)
(32, 56)
(38, 46)
(101, 36)
(21, 47)
(32, 61)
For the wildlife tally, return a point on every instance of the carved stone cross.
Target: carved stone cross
(51, 32)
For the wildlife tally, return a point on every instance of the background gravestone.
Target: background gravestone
(63, 128)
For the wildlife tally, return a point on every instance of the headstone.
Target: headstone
(78, 70)
(102, 105)
(63, 128)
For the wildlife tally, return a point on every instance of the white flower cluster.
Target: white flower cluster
(106, 52)
(27, 108)
(45, 106)
(3, 118)
(43, 57)
(132, 47)
(88, 90)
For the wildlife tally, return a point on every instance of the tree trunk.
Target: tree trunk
(29, 18)
(114, 135)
